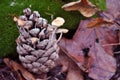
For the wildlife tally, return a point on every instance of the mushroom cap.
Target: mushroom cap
(62, 30)
(59, 21)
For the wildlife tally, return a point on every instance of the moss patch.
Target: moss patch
(47, 9)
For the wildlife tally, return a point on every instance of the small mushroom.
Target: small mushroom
(59, 21)
(62, 30)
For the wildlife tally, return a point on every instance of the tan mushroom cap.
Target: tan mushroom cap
(59, 21)
(62, 30)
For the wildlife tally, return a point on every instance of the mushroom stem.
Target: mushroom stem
(60, 37)
(53, 33)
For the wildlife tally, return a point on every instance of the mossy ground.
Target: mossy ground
(47, 9)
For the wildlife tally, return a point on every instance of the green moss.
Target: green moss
(101, 4)
(47, 9)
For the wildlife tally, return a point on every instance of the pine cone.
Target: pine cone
(37, 43)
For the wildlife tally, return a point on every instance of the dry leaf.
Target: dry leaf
(19, 69)
(100, 57)
(98, 22)
(113, 8)
(69, 66)
(6, 73)
(104, 65)
(85, 7)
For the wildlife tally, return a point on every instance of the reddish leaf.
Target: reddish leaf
(100, 56)
(113, 8)
(98, 22)
(69, 66)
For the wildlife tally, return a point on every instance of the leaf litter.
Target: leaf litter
(91, 50)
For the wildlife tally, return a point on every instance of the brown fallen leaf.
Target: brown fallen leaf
(98, 22)
(100, 56)
(6, 73)
(111, 16)
(85, 7)
(113, 8)
(69, 66)
(22, 72)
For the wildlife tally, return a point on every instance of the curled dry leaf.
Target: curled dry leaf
(98, 22)
(19, 69)
(85, 7)
(59, 21)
